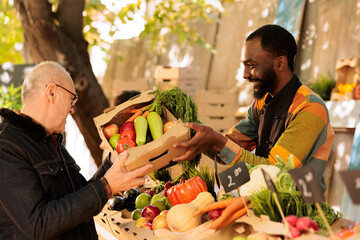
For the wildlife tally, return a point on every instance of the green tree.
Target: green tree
(61, 30)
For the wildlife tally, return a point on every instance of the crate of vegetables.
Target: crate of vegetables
(137, 126)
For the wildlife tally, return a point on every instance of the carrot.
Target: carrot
(145, 114)
(217, 205)
(239, 213)
(229, 210)
(135, 115)
(132, 110)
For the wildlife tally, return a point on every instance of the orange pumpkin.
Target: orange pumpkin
(185, 192)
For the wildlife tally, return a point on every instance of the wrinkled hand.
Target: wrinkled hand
(205, 139)
(120, 179)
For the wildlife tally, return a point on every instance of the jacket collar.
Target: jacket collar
(25, 123)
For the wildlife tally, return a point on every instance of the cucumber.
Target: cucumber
(155, 124)
(141, 127)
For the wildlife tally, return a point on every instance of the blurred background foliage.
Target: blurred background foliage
(323, 85)
(104, 19)
(10, 97)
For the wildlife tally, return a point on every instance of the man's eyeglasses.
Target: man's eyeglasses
(74, 99)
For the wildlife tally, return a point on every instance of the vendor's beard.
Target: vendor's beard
(266, 83)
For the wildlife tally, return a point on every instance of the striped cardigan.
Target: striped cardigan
(308, 135)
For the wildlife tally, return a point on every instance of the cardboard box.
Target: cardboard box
(159, 152)
(124, 228)
(102, 217)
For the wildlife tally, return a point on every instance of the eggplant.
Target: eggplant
(130, 195)
(117, 203)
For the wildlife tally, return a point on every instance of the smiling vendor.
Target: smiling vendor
(285, 118)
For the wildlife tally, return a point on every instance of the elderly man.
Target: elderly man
(42, 193)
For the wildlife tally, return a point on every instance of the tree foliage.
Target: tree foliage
(63, 30)
(103, 19)
(11, 34)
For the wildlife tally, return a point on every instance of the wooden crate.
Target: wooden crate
(186, 78)
(348, 74)
(216, 108)
(219, 124)
(180, 73)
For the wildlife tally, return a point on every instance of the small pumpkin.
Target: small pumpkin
(185, 192)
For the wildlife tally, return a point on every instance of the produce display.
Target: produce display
(188, 202)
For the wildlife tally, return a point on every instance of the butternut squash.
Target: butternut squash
(203, 199)
(180, 217)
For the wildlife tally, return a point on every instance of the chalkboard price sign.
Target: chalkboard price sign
(307, 184)
(270, 184)
(234, 177)
(351, 179)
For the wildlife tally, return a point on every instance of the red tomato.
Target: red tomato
(129, 134)
(124, 144)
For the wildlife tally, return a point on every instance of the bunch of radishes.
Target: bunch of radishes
(216, 213)
(297, 226)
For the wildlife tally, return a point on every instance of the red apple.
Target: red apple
(164, 212)
(110, 129)
(147, 225)
(160, 222)
(128, 126)
(141, 221)
(150, 212)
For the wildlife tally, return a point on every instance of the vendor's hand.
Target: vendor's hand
(120, 179)
(205, 139)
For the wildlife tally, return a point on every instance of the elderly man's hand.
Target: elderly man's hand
(205, 139)
(120, 179)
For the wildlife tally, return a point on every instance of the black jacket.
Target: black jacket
(42, 193)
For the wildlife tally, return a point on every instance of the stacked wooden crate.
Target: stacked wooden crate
(187, 78)
(348, 77)
(216, 108)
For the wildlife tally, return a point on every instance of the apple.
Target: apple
(136, 214)
(141, 221)
(164, 212)
(110, 129)
(114, 139)
(160, 205)
(128, 126)
(150, 212)
(156, 197)
(147, 225)
(167, 202)
(142, 200)
(160, 222)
